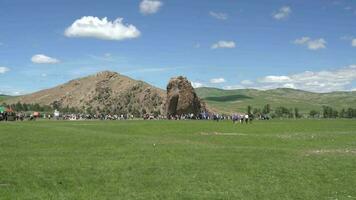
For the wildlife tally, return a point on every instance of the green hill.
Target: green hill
(229, 101)
(3, 97)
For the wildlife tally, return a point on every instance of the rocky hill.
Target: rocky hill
(106, 91)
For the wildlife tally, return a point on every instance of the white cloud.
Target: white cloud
(3, 70)
(289, 85)
(310, 43)
(353, 42)
(150, 6)
(224, 44)
(346, 37)
(349, 38)
(247, 82)
(221, 16)
(275, 79)
(197, 84)
(89, 26)
(320, 81)
(233, 87)
(6, 90)
(43, 59)
(302, 40)
(217, 80)
(282, 13)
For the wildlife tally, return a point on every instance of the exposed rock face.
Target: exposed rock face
(181, 98)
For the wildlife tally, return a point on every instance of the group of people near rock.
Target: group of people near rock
(95, 117)
(236, 118)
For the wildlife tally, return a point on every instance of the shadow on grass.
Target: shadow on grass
(228, 98)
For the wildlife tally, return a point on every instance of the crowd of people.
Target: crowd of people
(21, 116)
(236, 118)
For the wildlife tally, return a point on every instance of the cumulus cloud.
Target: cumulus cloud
(150, 6)
(233, 87)
(320, 81)
(311, 44)
(224, 44)
(217, 80)
(282, 13)
(275, 79)
(3, 70)
(43, 59)
(94, 27)
(353, 42)
(221, 16)
(349, 38)
(197, 84)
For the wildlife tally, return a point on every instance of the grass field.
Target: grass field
(178, 160)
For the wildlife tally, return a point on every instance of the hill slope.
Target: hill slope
(106, 91)
(3, 97)
(230, 101)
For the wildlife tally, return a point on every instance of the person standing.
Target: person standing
(246, 118)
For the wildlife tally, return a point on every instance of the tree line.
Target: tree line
(284, 112)
(23, 107)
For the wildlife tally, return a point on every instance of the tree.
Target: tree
(296, 113)
(343, 113)
(249, 110)
(327, 112)
(313, 113)
(256, 113)
(18, 107)
(24, 107)
(335, 114)
(266, 109)
(351, 113)
(283, 112)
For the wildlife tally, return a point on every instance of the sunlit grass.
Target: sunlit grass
(291, 159)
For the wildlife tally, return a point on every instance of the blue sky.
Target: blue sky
(302, 44)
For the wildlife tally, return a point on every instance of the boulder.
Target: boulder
(181, 98)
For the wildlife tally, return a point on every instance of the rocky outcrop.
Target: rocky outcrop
(181, 98)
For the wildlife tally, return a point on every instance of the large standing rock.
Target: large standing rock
(181, 98)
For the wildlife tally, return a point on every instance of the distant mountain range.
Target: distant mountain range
(112, 91)
(237, 100)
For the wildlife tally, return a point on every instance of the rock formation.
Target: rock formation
(181, 98)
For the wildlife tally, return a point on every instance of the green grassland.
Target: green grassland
(230, 101)
(3, 97)
(287, 159)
